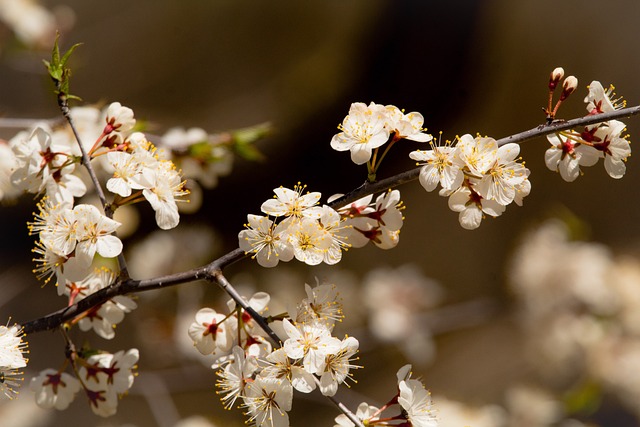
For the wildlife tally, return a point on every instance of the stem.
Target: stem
(86, 161)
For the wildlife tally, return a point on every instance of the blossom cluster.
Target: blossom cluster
(574, 149)
(314, 234)
(479, 177)
(368, 127)
(12, 358)
(103, 377)
(415, 401)
(261, 379)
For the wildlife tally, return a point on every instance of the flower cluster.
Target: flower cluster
(477, 175)
(69, 238)
(103, 377)
(415, 401)
(572, 149)
(262, 378)
(314, 234)
(12, 359)
(367, 128)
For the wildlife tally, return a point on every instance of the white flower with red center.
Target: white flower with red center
(442, 166)
(599, 100)
(310, 241)
(266, 241)
(338, 365)
(93, 234)
(36, 160)
(415, 400)
(615, 148)
(54, 389)
(211, 334)
(363, 130)
(116, 369)
(268, 401)
(235, 376)
(311, 342)
(503, 176)
(478, 154)
(119, 119)
(472, 207)
(292, 203)
(364, 413)
(407, 126)
(567, 155)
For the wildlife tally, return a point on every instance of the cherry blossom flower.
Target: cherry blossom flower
(119, 119)
(210, 334)
(311, 342)
(332, 222)
(415, 400)
(12, 358)
(443, 166)
(310, 241)
(292, 203)
(36, 160)
(163, 186)
(362, 131)
(478, 154)
(406, 126)
(336, 369)
(320, 305)
(93, 234)
(235, 376)
(615, 148)
(566, 156)
(268, 401)
(54, 389)
(472, 207)
(599, 100)
(503, 176)
(280, 366)
(126, 172)
(266, 241)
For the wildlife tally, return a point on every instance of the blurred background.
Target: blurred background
(481, 338)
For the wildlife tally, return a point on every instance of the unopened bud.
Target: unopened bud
(555, 77)
(569, 86)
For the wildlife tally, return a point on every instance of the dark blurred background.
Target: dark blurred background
(467, 66)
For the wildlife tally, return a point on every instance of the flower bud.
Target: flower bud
(556, 76)
(568, 87)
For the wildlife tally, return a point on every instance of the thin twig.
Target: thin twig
(86, 161)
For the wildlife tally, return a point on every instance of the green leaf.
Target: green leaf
(57, 69)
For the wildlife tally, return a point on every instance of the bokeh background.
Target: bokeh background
(467, 66)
